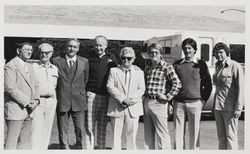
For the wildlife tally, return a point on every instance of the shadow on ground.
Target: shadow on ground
(55, 146)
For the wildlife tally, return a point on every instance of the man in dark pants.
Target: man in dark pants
(73, 73)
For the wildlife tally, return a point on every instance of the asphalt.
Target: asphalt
(208, 135)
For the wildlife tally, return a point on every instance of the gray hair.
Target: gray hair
(45, 43)
(125, 50)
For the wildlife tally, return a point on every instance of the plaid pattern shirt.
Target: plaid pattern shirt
(162, 79)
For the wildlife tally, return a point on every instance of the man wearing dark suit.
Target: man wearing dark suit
(21, 98)
(73, 73)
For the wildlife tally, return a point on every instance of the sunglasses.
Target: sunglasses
(128, 58)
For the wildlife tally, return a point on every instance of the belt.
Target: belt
(152, 96)
(46, 96)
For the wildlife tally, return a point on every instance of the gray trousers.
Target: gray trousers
(156, 130)
(227, 128)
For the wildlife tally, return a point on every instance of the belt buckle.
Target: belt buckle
(152, 96)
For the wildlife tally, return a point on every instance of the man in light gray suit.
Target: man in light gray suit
(21, 98)
(126, 86)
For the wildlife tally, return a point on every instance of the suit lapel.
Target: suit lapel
(121, 78)
(63, 66)
(32, 78)
(132, 79)
(23, 73)
(31, 74)
(79, 68)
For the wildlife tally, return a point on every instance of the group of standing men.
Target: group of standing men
(91, 90)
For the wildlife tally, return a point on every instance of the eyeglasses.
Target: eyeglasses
(128, 58)
(152, 53)
(26, 50)
(46, 53)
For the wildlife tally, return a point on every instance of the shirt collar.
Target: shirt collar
(194, 60)
(102, 55)
(226, 61)
(161, 63)
(42, 65)
(125, 69)
(68, 58)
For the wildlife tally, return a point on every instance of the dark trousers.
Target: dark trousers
(63, 127)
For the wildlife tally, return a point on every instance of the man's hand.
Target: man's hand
(132, 102)
(170, 110)
(126, 102)
(203, 102)
(237, 114)
(124, 105)
(32, 105)
(162, 98)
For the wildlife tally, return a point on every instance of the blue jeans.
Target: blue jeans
(18, 134)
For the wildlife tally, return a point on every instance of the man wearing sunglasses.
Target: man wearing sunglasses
(43, 116)
(126, 86)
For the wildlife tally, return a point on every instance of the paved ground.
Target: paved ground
(208, 135)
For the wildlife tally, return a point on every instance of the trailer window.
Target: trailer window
(237, 52)
(166, 45)
(205, 52)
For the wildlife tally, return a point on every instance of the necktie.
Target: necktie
(71, 63)
(126, 77)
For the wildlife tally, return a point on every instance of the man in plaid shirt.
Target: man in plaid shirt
(162, 84)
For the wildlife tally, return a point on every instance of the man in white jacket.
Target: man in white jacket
(126, 86)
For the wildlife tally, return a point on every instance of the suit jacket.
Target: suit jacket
(230, 85)
(19, 90)
(116, 88)
(71, 94)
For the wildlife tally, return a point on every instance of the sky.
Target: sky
(215, 11)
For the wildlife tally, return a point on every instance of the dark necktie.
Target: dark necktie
(71, 63)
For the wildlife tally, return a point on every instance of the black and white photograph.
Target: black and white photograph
(130, 75)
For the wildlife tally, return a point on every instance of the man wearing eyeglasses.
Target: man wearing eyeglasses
(43, 116)
(21, 98)
(126, 86)
(162, 84)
